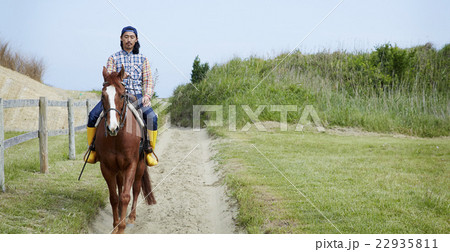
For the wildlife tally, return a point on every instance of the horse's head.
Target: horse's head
(114, 100)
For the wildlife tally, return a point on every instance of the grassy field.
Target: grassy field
(49, 203)
(364, 183)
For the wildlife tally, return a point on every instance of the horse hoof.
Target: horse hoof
(130, 225)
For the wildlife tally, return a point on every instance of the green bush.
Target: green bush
(392, 61)
(198, 70)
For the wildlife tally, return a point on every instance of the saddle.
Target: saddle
(137, 112)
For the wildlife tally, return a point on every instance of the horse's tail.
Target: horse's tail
(147, 188)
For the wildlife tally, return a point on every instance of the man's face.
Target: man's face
(128, 40)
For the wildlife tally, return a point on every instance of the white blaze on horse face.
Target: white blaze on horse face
(113, 123)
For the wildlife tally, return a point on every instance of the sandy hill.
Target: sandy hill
(14, 85)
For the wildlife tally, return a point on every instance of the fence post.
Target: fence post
(71, 129)
(2, 149)
(43, 134)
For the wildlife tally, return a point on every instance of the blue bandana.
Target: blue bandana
(129, 29)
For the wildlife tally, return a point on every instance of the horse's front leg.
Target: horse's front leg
(128, 181)
(113, 197)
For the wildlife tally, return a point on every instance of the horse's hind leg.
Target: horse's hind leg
(119, 180)
(136, 191)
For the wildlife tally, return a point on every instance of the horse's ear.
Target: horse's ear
(122, 74)
(105, 73)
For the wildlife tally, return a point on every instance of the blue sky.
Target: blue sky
(75, 38)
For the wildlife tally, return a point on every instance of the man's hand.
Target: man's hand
(146, 101)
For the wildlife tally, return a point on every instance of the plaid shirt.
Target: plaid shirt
(138, 68)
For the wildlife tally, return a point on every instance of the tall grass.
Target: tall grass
(32, 67)
(388, 90)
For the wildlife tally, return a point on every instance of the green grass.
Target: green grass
(50, 203)
(11, 134)
(97, 92)
(362, 184)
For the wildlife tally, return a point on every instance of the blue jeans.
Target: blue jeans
(150, 118)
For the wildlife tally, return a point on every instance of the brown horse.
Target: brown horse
(118, 149)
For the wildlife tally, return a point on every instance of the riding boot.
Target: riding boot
(151, 161)
(90, 137)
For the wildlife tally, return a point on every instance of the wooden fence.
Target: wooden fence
(43, 133)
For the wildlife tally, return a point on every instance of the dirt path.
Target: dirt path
(190, 194)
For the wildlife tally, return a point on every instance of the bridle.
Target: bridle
(122, 114)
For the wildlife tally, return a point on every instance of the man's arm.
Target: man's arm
(110, 65)
(147, 80)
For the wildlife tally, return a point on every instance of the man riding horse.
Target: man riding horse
(138, 83)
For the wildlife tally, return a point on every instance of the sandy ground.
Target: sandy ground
(190, 194)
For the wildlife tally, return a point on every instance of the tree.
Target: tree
(198, 70)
